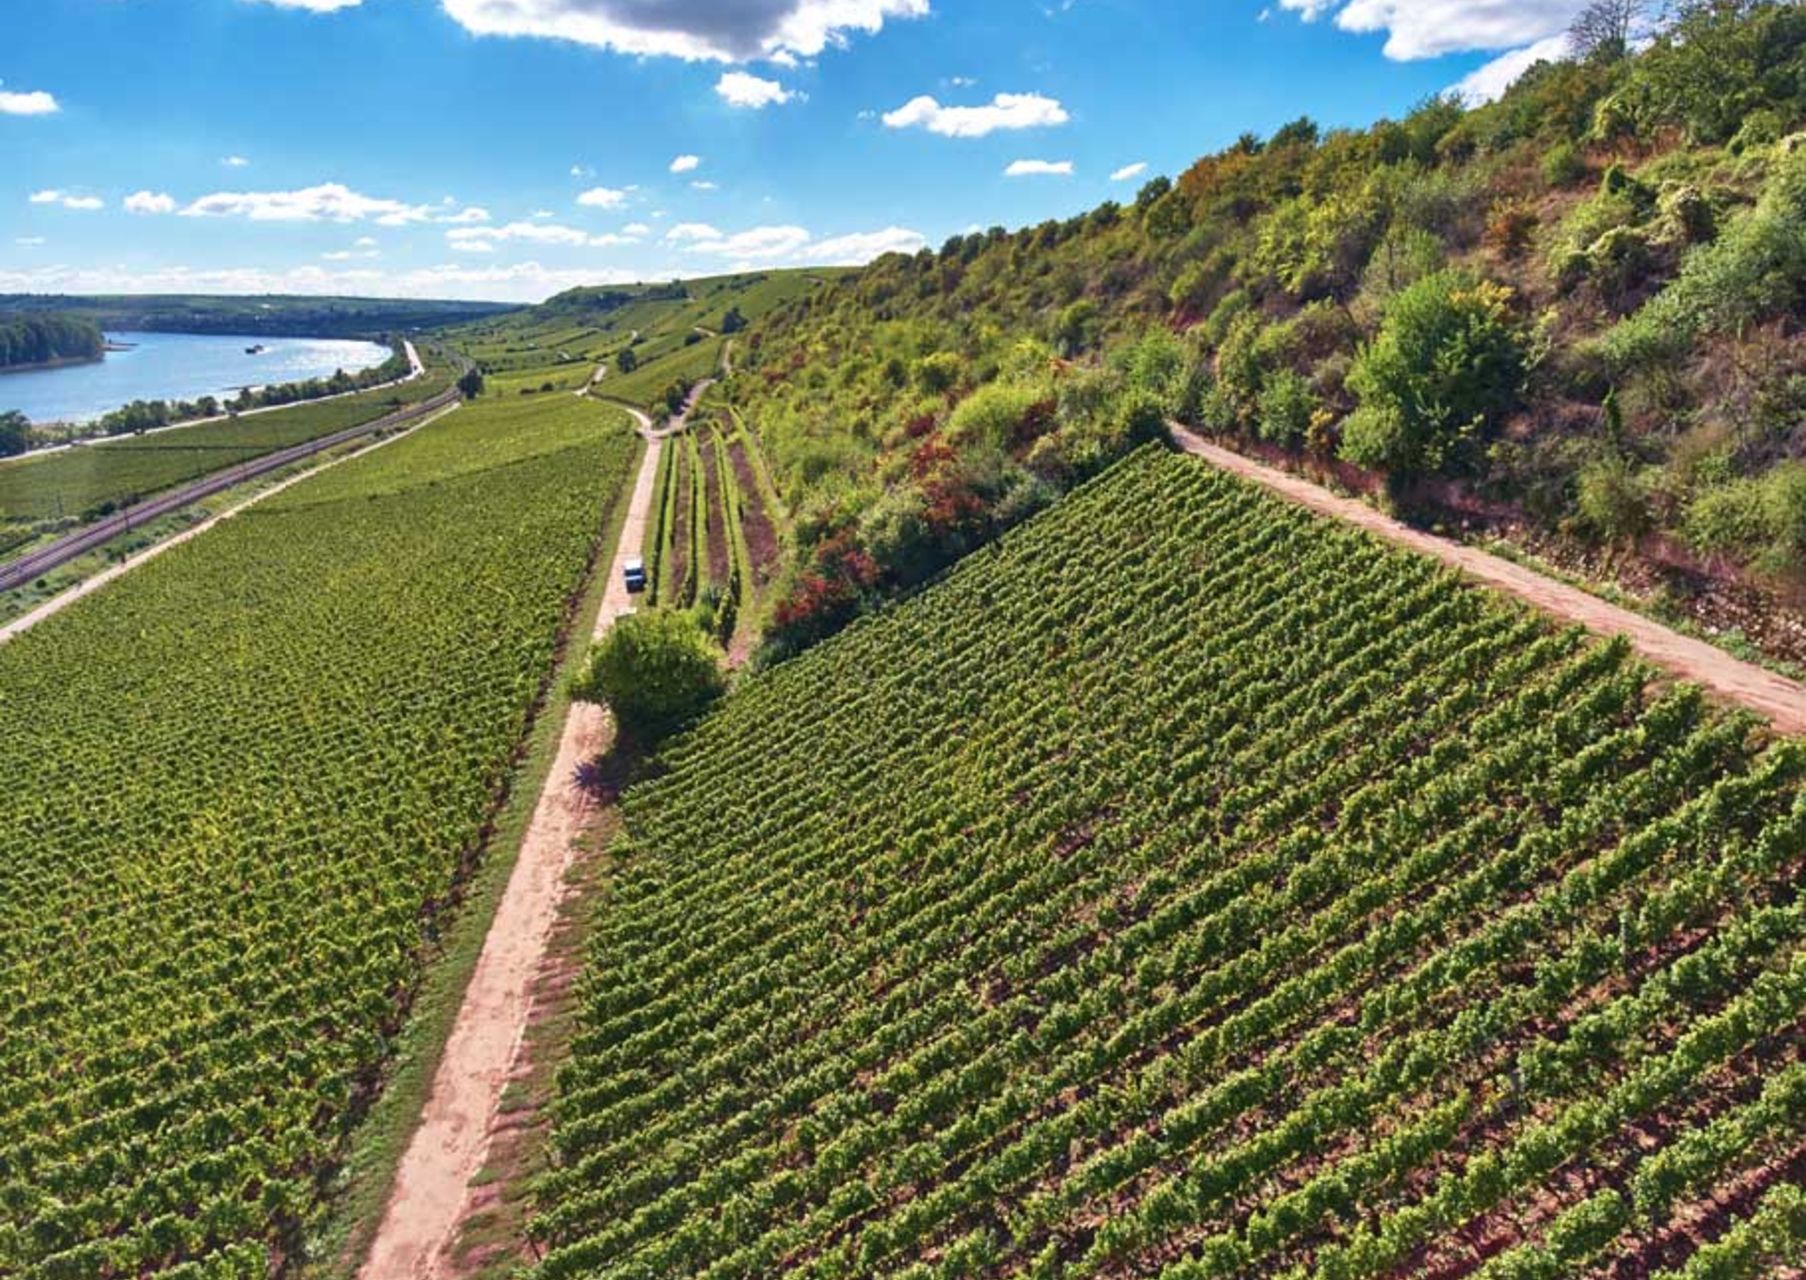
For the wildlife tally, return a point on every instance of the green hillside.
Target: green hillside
(1575, 311)
(1122, 907)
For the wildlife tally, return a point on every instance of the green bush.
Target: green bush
(656, 671)
(1447, 365)
(1613, 500)
(1564, 166)
(1287, 405)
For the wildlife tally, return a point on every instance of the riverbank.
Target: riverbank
(64, 362)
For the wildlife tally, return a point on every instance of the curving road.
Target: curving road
(81, 541)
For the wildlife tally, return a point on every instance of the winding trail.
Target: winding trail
(1781, 700)
(430, 1198)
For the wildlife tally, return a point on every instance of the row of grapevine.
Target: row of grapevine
(1191, 887)
(245, 783)
(71, 483)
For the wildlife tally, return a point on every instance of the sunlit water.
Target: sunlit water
(177, 366)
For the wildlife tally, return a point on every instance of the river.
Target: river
(177, 366)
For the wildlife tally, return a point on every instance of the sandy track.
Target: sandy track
(1781, 700)
(432, 1184)
(56, 604)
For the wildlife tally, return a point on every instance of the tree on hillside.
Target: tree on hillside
(15, 433)
(733, 321)
(656, 671)
(1602, 31)
(627, 361)
(471, 384)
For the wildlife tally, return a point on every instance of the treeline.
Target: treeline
(1580, 303)
(147, 415)
(257, 316)
(44, 337)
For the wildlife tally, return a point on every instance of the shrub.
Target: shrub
(1564, 166)
(1287, 405)
(1448, 363)
(656, 671)
(1613, 500)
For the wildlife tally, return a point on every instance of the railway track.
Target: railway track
(17, 573)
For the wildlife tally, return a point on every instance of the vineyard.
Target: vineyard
(245, 784)
(1122, 906)
(76, 482)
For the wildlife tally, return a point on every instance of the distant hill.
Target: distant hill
(268, 316)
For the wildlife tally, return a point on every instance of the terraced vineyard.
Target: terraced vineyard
(244, 784)
(1126, 906)
(76, 481)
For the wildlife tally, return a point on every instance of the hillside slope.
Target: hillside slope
(1572, 316)
(1121, 907)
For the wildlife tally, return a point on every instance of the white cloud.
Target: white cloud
(696, 30)
(350, 255)
(692, 231)
(1493, 79)
(686, 164)
(759, 244)
(738, 89)
(328, 202)
(858, 249)
(150, 202)
(962, 82)
(485, 239)
(1129, 171)
(1005, 111)
(316, 6)
(1039, 169)
(702, 186)
(234, 162)
(474, 213)
(30, 242)
(83, 204)
(365, 242)
(636, 229)
(582, 171)
(602, 198)
(35, 103)
(1429, 28)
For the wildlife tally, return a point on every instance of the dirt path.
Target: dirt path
(56, 604)
(1781, 700)
(432, 1184)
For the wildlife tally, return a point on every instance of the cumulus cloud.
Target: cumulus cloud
(83, 204)
(485, 239)
(860, 248)
(315, 6)
(35, 103)
(473, 213)
(1493, 79)
(602, 198)
(794, 244)
(636, 229)
(1004, 112)
(702, 186)
(1129, 171)
(738, 89)
(150, 202)
(1429, 28)
(234, 162)
(1039, 169)
(686, 164)
(328, 202)
(696, 30)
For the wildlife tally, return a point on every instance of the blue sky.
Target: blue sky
(511, 148)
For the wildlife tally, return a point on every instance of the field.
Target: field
(247, 782)
(77, 481)
(1120, 907)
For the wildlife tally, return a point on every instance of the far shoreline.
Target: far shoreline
(61, 362)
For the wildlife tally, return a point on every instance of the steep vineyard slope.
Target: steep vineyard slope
(1190, 887)
(244, 783)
